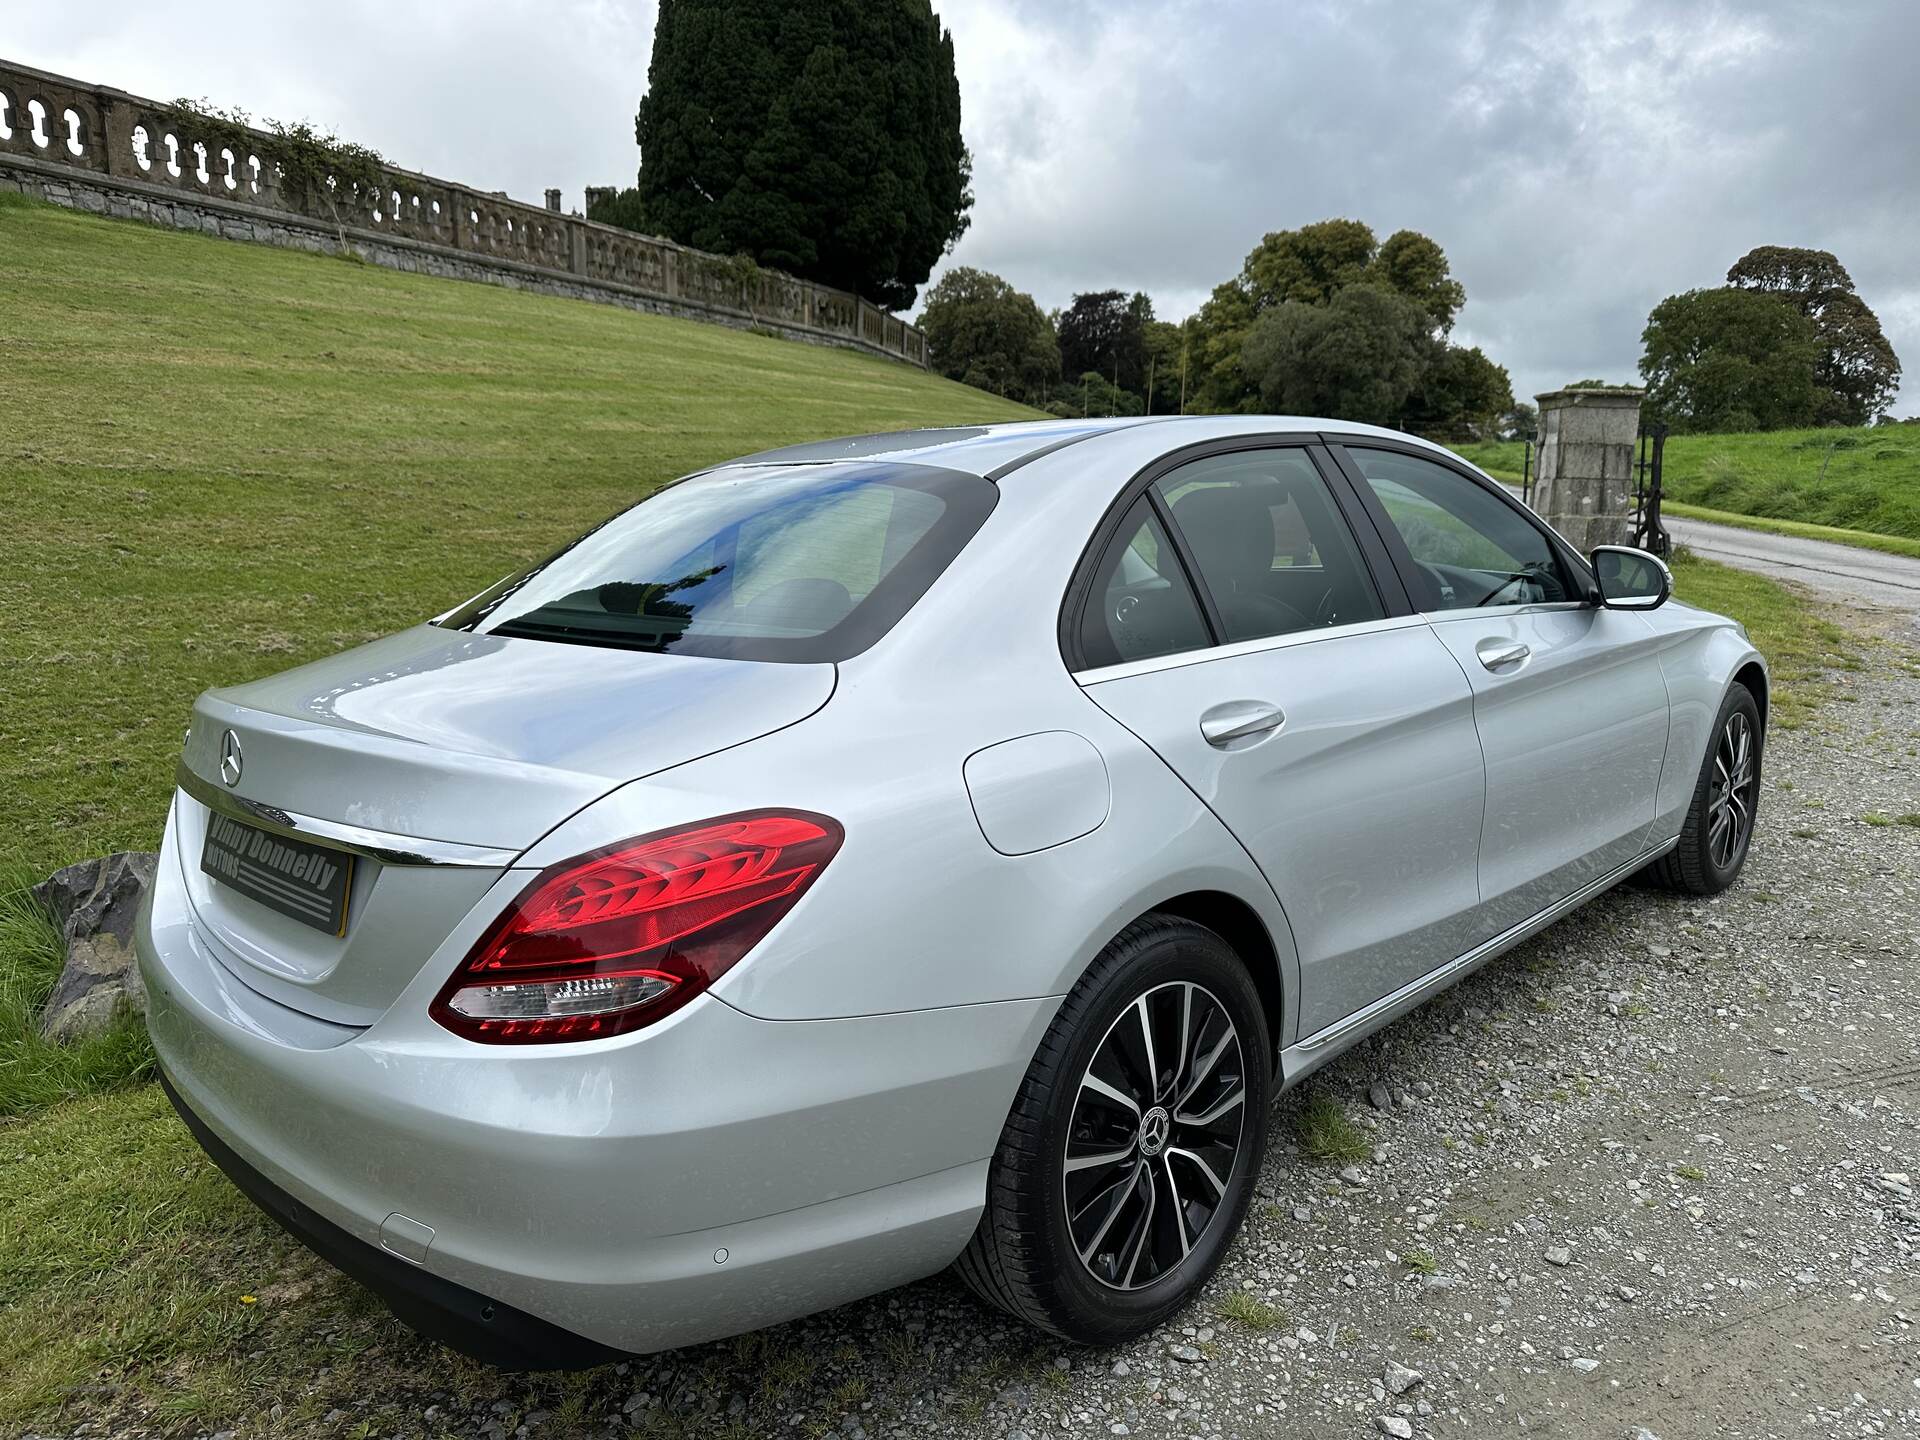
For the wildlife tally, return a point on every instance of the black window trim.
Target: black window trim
(1118, 536)
(1577, 574)
(1189, 566)
(1379, 569)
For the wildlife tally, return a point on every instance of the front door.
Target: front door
(1333, 737)
(1569, 698)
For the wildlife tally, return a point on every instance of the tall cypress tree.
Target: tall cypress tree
(821, 137)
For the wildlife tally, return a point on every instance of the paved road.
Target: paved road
(1843, 571)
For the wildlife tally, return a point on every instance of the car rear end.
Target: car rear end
(502, 1093)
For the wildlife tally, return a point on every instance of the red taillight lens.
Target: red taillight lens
(607, 942)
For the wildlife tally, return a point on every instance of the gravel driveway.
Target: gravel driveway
(1650, 1174)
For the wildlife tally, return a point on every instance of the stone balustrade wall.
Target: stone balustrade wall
(104, 150)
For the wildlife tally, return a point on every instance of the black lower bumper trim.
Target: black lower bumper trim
(463, 1319)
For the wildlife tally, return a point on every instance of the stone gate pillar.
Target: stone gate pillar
(1584, 487)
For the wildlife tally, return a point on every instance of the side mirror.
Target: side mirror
(1631, 579)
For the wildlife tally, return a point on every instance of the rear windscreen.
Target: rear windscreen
(764, 562)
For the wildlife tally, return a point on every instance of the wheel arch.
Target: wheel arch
(1753, 675)
(1240, 925)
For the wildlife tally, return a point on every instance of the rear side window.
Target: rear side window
(1273, 552)
(798, 563)
(1141, 605)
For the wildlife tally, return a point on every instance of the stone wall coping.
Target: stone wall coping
(293, 220)
(1592, 395)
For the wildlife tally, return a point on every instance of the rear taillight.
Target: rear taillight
(610, 941)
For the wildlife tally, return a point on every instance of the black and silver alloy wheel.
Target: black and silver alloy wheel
(1731, 790)
(1129, 1156)
(1155, 1131)
(1711, 848)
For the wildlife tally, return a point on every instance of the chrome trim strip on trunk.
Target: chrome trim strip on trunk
(1412, 993)
(379, 845)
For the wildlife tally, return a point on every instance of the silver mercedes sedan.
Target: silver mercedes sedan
(920, 850)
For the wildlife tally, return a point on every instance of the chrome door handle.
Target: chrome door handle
(1495, 653)
(1239, 720)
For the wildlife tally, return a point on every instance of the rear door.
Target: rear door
(1568, 697)
(1235, 623)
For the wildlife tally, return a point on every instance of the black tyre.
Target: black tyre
(1726, 800)
(1130, 1154)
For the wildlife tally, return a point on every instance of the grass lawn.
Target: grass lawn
(221, 460)
(1865, 480)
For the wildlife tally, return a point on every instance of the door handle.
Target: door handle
(1495, 653)
(1239, 720)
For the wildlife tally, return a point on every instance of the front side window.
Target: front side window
(1141, 605)
(1469, 548)
(761, 562)
(1273, 551)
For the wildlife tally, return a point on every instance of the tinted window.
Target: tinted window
(1274, 553)
(797, 563)
(1470, 548)
(1141, 604)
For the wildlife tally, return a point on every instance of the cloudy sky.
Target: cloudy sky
(1578, 159)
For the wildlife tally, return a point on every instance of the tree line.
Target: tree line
(1323, 320)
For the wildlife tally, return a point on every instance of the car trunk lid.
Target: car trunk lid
(432, 758)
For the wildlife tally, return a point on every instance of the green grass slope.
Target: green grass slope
(220, 459)
(1862, 480)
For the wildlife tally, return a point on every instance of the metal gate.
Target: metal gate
(1649, 533)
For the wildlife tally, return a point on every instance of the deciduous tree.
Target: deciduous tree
(1856, 369)
(1309, 265)
(1106, 331)
(1461, 395)
(1730, 359)
(1520, 421)
(1360, 356)
(1314, 265)
(1411, 264)
(1790, 272)
(982, 331)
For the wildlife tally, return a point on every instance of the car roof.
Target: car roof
(994, 451)
(970, 449)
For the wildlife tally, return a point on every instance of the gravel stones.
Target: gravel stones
(1399, 1378)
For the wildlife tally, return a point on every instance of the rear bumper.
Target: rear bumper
(439, 1309)
(705, 1176)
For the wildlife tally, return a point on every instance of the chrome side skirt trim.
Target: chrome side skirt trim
(377, 844)
(1409, 995)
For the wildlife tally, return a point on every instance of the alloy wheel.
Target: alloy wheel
(1154, 1136)
(1731, 792)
